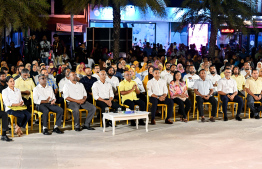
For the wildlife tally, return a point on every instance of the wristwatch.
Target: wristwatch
(158, 97)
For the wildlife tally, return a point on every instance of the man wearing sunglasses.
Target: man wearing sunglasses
(44, 98)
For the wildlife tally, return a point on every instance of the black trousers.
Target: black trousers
(211, 100)
(103, 105)
(45, 108)
(131, 104)
(142, 97)
(155, 101)
(28, 104)
(4, 117)
(184, 106)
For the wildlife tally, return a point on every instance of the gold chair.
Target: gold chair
(120, 101)
(255, 102)
(39, 113)
(100, 110)
(229, 103)
(70, 110)
(12, 118)
(204, 103)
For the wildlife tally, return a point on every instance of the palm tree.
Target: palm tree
(234, 14)
(22, 14)
(157, 6)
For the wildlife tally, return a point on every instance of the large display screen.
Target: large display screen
(198, 35)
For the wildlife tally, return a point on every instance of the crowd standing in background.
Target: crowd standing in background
(173, 75)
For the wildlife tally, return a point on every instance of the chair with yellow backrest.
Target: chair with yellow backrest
(120, 101)
(229, 103)
(100, 110)
(70, 110)
(12, 118)
(204, 103)
(39, 113)
(174, 105)
(255, 102)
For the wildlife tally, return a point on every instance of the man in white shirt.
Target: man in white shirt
(157, 92)
(227, 88)
(44, 98)
(206, 67)
(167, 71)
(112, 79)
(90, 63)
(214, 78)
(191, 77)
(103, 94)
(96, 72)
(204, 91)
(75, 93)
(64, 80)
(246, 72)
(170, 77)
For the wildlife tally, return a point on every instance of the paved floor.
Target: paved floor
(219, 145)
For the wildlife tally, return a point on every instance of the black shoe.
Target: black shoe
(109, 123)
(238, 118)
(77, 129)
(203, 120)
(251, 115)
(225, 119)
(259, 108)
(257, 117)
(212, 119)
(88, 128)
(141, 122)
(56, 130)
(133, 123)
(5, 138)
(45, 132)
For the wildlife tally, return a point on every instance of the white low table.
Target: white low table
(118, 116)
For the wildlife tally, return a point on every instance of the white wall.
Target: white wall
(162, 33)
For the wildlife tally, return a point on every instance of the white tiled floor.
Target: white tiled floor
(218, 145)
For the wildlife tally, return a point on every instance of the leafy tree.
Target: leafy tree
(217, 13)
(157, 6)
(22, 14)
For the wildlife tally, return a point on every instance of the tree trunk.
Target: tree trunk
(213, 38)
(116, 31)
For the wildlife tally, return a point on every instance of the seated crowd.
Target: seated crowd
(169, 82)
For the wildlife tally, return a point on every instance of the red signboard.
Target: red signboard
(227, 30)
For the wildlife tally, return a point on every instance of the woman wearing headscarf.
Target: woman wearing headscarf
(80, 72)
(136, 63)
(180, 68)
(52, 68)
(156, 63)
(259, 65)
(149, 76)
(83, 65)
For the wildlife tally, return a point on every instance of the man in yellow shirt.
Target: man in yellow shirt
(240, 79)
(254, 90)
(26, 86)
(129, 90)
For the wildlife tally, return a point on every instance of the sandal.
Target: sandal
(181, 118)
(17, 131)
(185, 120)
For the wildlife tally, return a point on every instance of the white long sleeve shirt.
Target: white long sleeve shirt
(227, 86)
(11, 97)
(103, 90)
(75, 91)
(42, 93)
(157, 87)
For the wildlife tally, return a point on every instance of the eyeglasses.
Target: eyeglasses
(42, 78)
(128, 74)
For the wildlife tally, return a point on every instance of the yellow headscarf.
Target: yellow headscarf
(133, 77)
(137, 68)
(160, 64)
(143, 68)
(81, 73)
